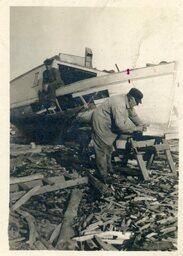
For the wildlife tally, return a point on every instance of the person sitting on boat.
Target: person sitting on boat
(51, 81)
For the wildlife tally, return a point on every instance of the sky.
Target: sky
(127, 36)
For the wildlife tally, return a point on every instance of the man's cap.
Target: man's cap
(48, 62)
(137, 94)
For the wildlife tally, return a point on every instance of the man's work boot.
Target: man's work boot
(109, 180)
(100, 177)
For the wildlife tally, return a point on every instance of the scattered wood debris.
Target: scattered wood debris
(56, 203)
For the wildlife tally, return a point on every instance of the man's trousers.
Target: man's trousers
(103, 154)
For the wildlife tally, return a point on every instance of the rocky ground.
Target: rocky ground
(76, 212)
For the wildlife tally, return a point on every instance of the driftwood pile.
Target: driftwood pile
(56, 203)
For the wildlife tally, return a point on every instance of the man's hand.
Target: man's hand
(141, 128)
(145, 127)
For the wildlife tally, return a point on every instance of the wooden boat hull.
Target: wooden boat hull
(85, 85)
(50, 128)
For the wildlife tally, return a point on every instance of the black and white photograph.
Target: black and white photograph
(94, 105)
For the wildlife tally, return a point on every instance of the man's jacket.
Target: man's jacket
(112, 117)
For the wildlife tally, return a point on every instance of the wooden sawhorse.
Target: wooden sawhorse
(145, 151)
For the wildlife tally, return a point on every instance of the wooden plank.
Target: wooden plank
(144, 198)
(167, 221)
(67, 231)
(113, 241)
(55, 233)
(33, 234)
(30, 184)
(168, 154)
(88, 219)
(50, 181)
(16, 240)
(146, 226)
(170, 161)
(161, 147)
(54, 180)
(65, 184)
(17, 180)
(103, 235)
(142, 166)
(150, 160)
(51, 188)
(25, 198)
(103, 245)
(92, 230)
(151, 235)
(93, 226)
(120, 77)
(143, 144)
(168, 230)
